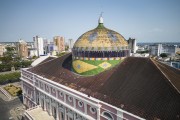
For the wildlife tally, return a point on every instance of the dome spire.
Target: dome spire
(101, 18)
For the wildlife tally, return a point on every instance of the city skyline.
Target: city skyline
(147, 21)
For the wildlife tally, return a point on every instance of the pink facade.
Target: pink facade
(69, 100)
(94, 115)
(58, 100)
(80, 106)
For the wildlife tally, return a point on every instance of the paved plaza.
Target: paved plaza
(10, 108)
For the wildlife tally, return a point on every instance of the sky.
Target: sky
(144, 20)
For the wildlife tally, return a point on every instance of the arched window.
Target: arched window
(93, 110)
(107, 115)
(70, 98)
(60, 94)
(80, 103)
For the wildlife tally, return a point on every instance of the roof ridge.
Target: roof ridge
(46, 61)
(156, 64)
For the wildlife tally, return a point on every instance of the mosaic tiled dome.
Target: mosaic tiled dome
(100, 38)
(98, 50)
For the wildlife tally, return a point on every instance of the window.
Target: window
(60, 94)
(53, 90)
(93, 110)
(80, 103)
(107, 115)
(70, 98)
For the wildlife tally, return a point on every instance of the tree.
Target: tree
(163, 55)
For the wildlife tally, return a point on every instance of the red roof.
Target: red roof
(142, 86)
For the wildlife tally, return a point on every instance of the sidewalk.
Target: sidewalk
(17, 112)
(5, 93)
(7, 72)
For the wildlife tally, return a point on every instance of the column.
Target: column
(23, 99)
(44, 87)
(74, 116)
(85, 108)
(65, 116)
(57, 112)
(44, 102)
(64, 97)
(98, 113)
(50, 107)
(60, 115)
(74, 102)
(56, 93)
(40, 100)
(35, 95)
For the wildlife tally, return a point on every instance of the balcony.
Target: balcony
(37, 113)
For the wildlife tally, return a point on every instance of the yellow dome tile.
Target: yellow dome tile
(81, 66)
(105, 65)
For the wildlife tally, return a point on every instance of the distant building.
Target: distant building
(99, 81)
(32, 52)
(2, 49)
(177, 50)
(157, 49)
(50, 48)
(22, 49)
(60, 43)
(132, 45)
(71, 43)
(39, 45)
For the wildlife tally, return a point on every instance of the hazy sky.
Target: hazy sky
(145, 20)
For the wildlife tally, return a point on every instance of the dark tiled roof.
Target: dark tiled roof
(141, 86)
(47, 59)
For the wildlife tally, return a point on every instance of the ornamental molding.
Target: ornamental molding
(76, 94)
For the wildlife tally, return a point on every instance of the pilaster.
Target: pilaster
(57, 113)
(85, 108)
(44, 102)
(65, 116)
(50, 107)
(98, 113)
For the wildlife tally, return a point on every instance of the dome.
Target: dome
(98, 50)
(100, 39)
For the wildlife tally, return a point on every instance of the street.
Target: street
(6, 106)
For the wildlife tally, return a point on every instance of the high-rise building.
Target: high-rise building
(71, 43)
(22, 49)
(39, 45)
(59, 42)
(132, 45)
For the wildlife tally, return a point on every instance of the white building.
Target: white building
(157, 49)
(132, 45)
(71, 43)
(39, 45)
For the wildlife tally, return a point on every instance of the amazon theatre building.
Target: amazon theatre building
(100, 81)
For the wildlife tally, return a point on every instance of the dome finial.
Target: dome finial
(101, 18)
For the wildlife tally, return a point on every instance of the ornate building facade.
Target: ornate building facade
(64, 103)
(87, 84)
